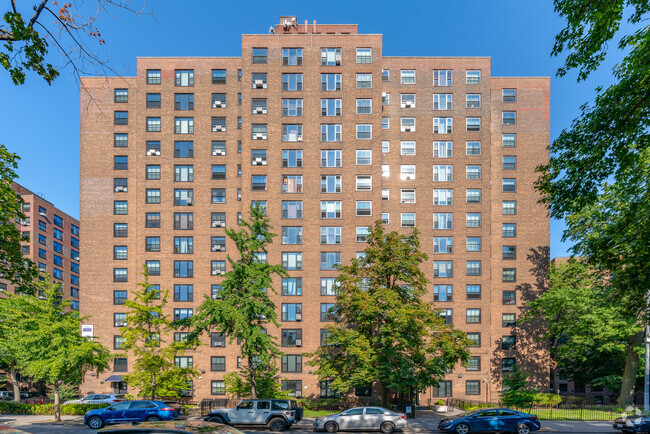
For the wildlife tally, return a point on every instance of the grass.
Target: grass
(317, 413)
(574, 414)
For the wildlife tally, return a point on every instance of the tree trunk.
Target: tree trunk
(384, 395)
(251, 374)
(630, 371)
(57, 404)
(14, 382)
(153, 387)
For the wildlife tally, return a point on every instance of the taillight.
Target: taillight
(117, 400)
(168, 409)
(289, 413)
(533, 417)
(403, 416)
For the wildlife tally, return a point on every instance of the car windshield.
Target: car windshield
(469, 413)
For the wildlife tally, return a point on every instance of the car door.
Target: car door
(262, 412)
(373, 418)
(509, 420)
(117, 412)
(243, 413)
(351, 419)
(140, 410)
(486, 420)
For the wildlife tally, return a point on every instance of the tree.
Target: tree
(604, 153)
(13, 266)
(145, 336)
(266, 383)
(29, 29)
(50, 347)
(588, 327)
(516, 390)
(385, 332)
(243, 309)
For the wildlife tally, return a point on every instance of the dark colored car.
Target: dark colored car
(490, 420)
(180, 427)
(633, 423)
(133, 411)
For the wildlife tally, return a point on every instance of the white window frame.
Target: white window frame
(405, 124)
(407, 172)
(443, 101)
(363, 126)
(469, 78)
(367, 50)
(361, 153)
(369, 100)
(406, 146)
(447, 148)
(367, 179)
(443, 173)
(405, 103)
(405, 195)
(406, 214)
(403, 76)
(448, 123)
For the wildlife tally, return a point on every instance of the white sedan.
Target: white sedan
(97, 399)
(362, 418)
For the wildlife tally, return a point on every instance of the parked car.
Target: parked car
(490, 420)
(6, 395)
(100, 398)
(133, 411)
(633, 423)
(362, 418)
(182, 427)
(277, 414)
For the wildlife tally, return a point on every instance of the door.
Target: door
(508, 420)
(141, 410)
(243, 413)
(487, 420)
(262, 412)
(117, 412)
(373, 418)
(351, 419)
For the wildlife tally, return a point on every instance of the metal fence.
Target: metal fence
(562, 411)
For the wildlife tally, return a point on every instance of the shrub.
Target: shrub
(547, 399)
(8, 407)
(439, 402)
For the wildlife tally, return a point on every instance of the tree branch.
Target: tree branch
(37, 13)
(13, 6)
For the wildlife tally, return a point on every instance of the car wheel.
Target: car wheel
(331, 427)
(153, 419)
(95, 422)
(461, 428)
(523, 428)
(277, 424)
(216, 419)
(387, 427)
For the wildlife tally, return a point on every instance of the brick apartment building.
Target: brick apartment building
(316, 124)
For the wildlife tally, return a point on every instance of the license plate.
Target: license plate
(619, 425)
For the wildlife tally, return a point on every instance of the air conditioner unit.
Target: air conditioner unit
(298, 317)
(219, 344)
(157, 152)
(299, 138)
(409, 176)
(151, 152)
(43, 214)
(259, 110)
(298, 393)
(189, 200)
(407, 129)
(222, 224)
(216, 104)
(408, 103)
(219, 128)
(215, 224)
(120, 188)
(41, 269)
(299, 342)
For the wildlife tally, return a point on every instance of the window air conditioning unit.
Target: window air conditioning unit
(298, 394)
(409, 176)
(298, 317)
(41, 269)
(222, 224)
(217, 152)
(299, 342)
(219, 344)
(189, 200)
(219, 128)
(299, 138)
(407, 128)
(259, 110)
(408, 104)
(43, 214)
(216, 104)
(259, 161)
(120, 188)
(259, 136)
(215, 224)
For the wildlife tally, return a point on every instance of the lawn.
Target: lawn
(317, 413)
(574, 414)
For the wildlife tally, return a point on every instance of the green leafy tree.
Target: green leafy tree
(604, 153)
(266, 382)
(146, 338)
(385, 332)
(588, 326)
(50, 346)
(243, 309)
(30, 28)
(516, 390)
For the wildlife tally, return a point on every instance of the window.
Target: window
(509, 207)
(407, 195)
(218, 195)
(153, 76)
(509, 252)
(364, 81)
(509, 230)
(183, 245)
(218, 268)
(292, 260)
(442, 125)
(330, 82)
(364, 182)
(326, 312)
(473, 100)
(119, 230)
(364, 55)
(385, 98)
(153, 195)
(473, 76)
(183, 221)
(385, 192)
(473, 124)
(364, 208)
(290, 107)
(407, 148)
(291, 363)
(120, 185)
(473, 244)
(57, 247)
(443, 221)
(330, 107)
(442, 173)
(42, 254)
(121, 118)
(291, 82)
(153, 147)
(183, 173)
(218, 148)
(328, 286)
(508, 365)
(508, 342)
(509, 95)
(447, 315)
(217, 387)
(153, 172)
(218, 363)
(291, 235)
(442, 149)
(443, 389)
(364, 157)
(120, 140)
(509, 185)
(442, 101)
(508, 320)
(329, 259)
(330, 56)
(473, 268)
(119, 297)
(217, 340)
(408, 220)
(185, 101)
(292, 286)
(509, 118)
(473, 292)
(153, 267)
(442, 292)
(153, 125)
(292, 133)
(184, 77)
(330, 158)
(330, 209)
(407, 100)
(330, 184)
(475, 337)
(120, 207)
(218, 171)
(182, 314)
(407, 76)
(364, 106)
(153, 100)
(509, 162)
(443, 245)
(152, 244)
(330, 235)
(184, 269)
(385, 147)
(291, 184)
(509, 140)
(183, 292)
(364, 131)
(442, 77)
(291, 56)
(121, 95)
(472, 387)
(509, 275)
(58, 234)
(473, 195)
(218, 76)
(474, 363)
(291, 312)
(443, 269)
(118, 341)
(443, 197)
(330, 132)
(473, 172)
(260, 55)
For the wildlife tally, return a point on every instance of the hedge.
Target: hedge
(10, 407)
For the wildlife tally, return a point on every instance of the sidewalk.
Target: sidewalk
(28, 419)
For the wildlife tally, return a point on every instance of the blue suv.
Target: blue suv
(133, 411)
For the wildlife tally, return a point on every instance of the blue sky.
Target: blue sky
(41, 122)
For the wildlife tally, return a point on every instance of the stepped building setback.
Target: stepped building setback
(317, 125)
